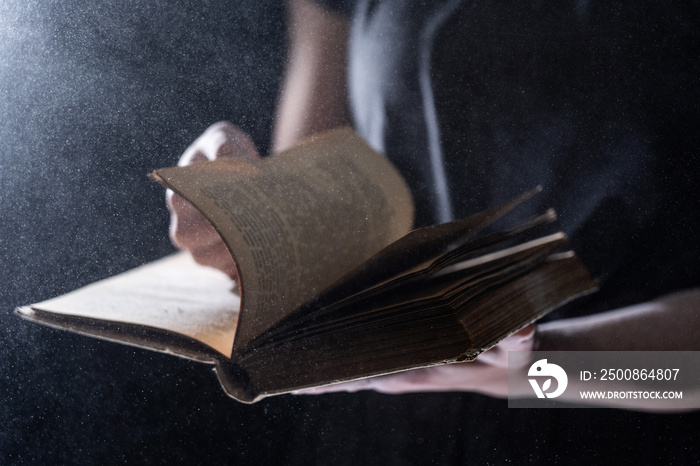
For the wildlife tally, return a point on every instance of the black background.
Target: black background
(93, 96)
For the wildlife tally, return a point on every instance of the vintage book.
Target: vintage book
(334, 285)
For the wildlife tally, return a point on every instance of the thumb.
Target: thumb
(221, 140)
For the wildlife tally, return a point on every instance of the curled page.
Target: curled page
(296, 222)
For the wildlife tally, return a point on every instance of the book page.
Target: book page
(425, 245)
(173, 294)
(298, 221)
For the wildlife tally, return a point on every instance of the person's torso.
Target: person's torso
(599, 103)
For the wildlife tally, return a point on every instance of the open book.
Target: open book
(333, 284)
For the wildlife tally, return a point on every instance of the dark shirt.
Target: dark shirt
(598, 102)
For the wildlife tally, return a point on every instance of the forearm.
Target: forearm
(314, 92)
(669, 323)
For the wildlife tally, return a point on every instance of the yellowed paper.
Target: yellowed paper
(173, 294)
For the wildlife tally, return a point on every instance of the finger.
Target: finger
(423, 379)
(193, 235)
(217, 256)
(220, 140)
(178, 205)
(189, 229)
(234, 142)
(204, 244)
(456, 377)
(184, 210)
(348, 387)
(466, 376)
(521, 340)
(448, 377)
